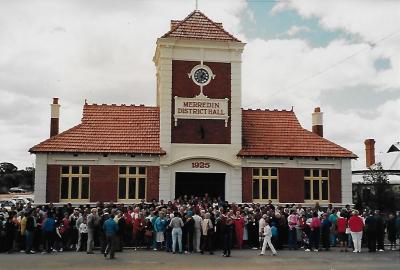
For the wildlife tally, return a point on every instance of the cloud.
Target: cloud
(343, 70)
(102, 51)
(75, 50)
(368, 18)
(294, 30)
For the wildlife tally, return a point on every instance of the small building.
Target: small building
(390, 161)
(196, 140)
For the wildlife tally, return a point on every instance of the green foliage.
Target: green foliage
(7, 168)
(10, 176)
(376, 175)
(381, 195)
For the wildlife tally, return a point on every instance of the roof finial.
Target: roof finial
(197, 4)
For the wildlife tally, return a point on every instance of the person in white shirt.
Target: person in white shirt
(197, 232)
(261, 225)
(83, 232)
(267, 239)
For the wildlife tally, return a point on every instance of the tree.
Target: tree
(7, 168)
(10, 176)
(381, 196)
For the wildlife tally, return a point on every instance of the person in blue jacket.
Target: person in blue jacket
(325, 231)
(160, 225)
(49, 228)
(110, 228)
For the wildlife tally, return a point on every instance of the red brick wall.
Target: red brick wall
(153, 182)
(247, 184)
(53, 183)
(54, 125)
(335, 186)
(319, 130)
(291, 185)
(189, 131)
(103, 183)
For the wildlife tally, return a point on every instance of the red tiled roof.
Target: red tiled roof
(279, 134)
(110, 129)
(135, 130)
(198, 26)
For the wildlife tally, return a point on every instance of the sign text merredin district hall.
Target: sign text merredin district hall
(201, 108)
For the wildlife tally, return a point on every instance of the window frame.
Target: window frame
(70, 175)
(320, 180)
(128, 177)
(260, 177)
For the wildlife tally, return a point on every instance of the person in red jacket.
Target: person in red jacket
(137, 229)
(341, 229)
(356, 225)
(239, 229)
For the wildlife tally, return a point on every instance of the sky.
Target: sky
(340, 55)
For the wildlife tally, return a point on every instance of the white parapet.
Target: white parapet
(347, 193)
(40, 178)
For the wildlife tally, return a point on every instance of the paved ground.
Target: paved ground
(245, 259)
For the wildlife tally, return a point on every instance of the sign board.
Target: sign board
(201, 107)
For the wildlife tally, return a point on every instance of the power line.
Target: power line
(372, 45)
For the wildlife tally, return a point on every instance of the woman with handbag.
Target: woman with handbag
(207, 229)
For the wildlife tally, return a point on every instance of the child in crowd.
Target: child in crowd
(83, 231)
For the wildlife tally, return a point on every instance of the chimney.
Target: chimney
(317, 122)
(55, 117)
(369, 152)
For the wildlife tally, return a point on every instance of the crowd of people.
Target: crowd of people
(192, 224)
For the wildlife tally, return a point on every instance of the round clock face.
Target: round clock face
(201, 76)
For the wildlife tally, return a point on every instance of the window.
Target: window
(74, 183)
(132, 183)
(316, 185)
(265, 184)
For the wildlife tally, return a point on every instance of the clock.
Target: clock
(201, 75)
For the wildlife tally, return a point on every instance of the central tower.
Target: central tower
(199, 95)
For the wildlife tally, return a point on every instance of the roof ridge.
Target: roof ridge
(120, 105)
(267, 110)
(284, 136)
(216, 25)
(181, 22)
(178, 24)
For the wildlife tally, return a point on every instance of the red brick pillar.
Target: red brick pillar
(103, 183)
(369, 152)
(55, 117)
(247, 184)
(291, 185)
(53, 183)
(153, 183)
(335, 186)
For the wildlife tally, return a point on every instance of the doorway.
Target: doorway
(198, 184)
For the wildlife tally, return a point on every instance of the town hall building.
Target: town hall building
(197, 140)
